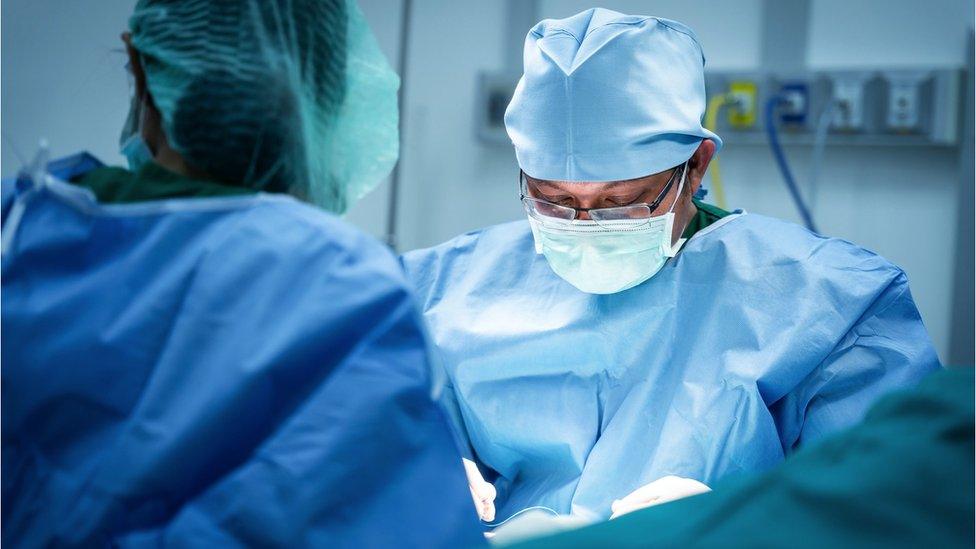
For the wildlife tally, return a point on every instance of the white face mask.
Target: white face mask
(610, 257)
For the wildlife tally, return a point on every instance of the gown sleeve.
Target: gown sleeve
(886, 348)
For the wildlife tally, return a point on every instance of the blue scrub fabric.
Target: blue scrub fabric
(237, 371)
(902, 478)
(757, 338)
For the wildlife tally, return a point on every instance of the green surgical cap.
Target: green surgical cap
(278, 95)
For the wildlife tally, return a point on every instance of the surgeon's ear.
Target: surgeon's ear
(698, 164)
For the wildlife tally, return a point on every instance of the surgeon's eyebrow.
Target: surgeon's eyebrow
(544, 183)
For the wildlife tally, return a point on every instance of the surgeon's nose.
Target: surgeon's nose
(583, 216)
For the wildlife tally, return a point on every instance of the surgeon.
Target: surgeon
(194, 358)
(628, 343)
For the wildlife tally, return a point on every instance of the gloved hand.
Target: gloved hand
(482, 492)
(662, 490)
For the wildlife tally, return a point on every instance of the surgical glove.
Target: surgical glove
(662, 490)
(482, 492)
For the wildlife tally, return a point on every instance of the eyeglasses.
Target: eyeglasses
(610, 216)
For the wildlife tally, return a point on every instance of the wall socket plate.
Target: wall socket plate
(848, 101)
(902, 112)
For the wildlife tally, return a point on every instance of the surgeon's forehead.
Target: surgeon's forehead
(605, 185)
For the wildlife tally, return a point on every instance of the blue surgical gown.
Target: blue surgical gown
(212, 372)
(758, 337)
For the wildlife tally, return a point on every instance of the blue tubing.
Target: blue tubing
(784, 166)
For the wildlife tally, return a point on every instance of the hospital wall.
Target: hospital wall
(63, 79)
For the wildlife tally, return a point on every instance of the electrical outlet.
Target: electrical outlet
(796, 103)
(848, 102)
(904, 100)
(742, 110)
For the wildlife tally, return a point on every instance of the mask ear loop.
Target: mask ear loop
(143, 111)
(672, 249)
(140, 106)
(681, 186)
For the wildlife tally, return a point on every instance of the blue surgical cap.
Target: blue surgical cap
(608, 97)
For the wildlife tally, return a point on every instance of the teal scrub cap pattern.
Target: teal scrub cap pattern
(278, 95)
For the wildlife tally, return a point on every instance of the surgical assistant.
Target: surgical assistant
(192, 356)
(617, 338)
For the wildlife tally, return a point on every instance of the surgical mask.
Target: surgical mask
(609, 257)
(131, 143)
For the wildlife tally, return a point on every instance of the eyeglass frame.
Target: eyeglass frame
(576, 211)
